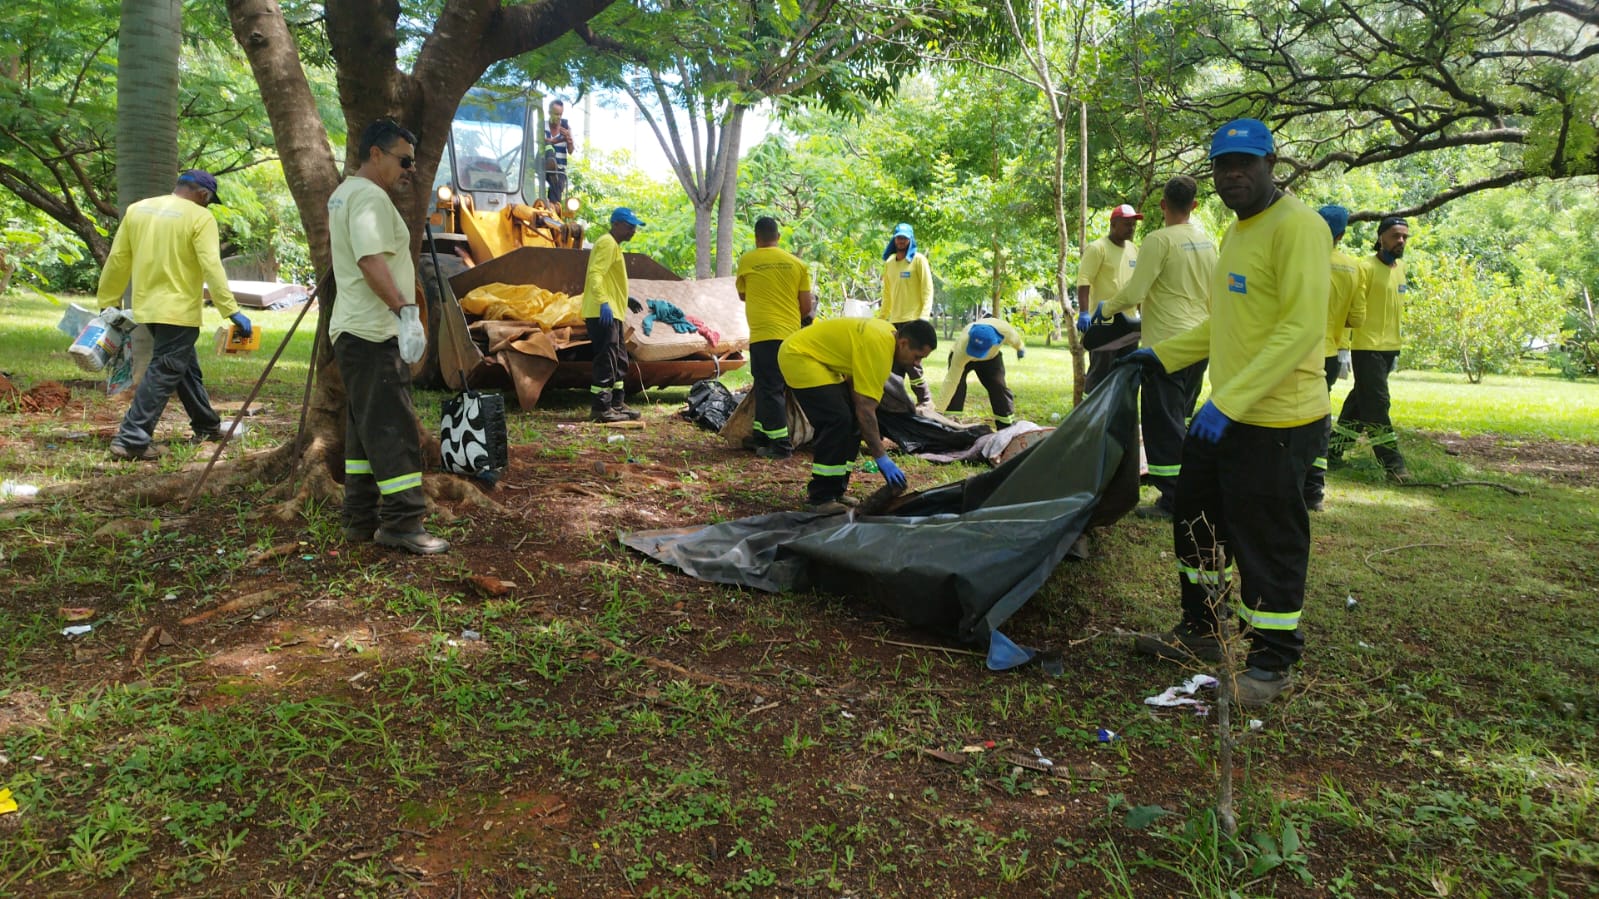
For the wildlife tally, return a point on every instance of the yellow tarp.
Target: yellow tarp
(524, 303)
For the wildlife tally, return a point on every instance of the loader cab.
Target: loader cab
(487, 197)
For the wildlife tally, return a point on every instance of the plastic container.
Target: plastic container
(95, 344)
(231, 340)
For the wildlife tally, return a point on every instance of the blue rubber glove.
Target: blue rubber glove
(1210, 424)
(1083, 321)
(606, 316)
(1143, 356)
(890, 472)
(244, 324)
(1021, 353)
(1099, 314)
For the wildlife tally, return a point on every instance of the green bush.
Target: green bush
(1459, 317)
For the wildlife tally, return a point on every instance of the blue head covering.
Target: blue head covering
(980, 339)
(903, 229)
(1337, 218)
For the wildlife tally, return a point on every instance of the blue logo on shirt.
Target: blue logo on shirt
(905, 274)
(1235, 283)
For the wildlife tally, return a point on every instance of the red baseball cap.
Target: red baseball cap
(1124, 211)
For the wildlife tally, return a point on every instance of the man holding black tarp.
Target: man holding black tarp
(1239, 501)
(836, 369)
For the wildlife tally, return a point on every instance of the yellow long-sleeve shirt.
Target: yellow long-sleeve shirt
(1008, 336)
(1105, 268)
(606, 279)
(1268, 318)
(169, 247)
(1171, 281)
(836, 349)
(1346, 304)
(1385, 304)
(907, 289)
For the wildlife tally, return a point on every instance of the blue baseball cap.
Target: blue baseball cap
(1243, 136)
(903, 229)
(980, 339)
(201, 178)
(624, 214)
(1337, 218)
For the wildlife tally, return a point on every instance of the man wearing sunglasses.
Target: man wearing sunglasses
(376, 335)
(168, 247)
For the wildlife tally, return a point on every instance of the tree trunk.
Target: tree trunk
(727, 202)
(302, 141)
(148, 47)
(702, 237)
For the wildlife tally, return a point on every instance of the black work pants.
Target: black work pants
(1366, 409)
(382, 449)
(1316, 477)
(771, 396)
(610, 361)
(1166, 399)
(174, 368)
(991, 374)
(1239, 507)
(831, 411)
(916, 380)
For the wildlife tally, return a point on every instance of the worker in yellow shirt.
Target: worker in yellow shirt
(977, 349)
(1239, 501)
(775, 287)
(1107, 265)
(1171, 285)
(837, 369)
(169, 248)
(907, 296)
(604, 311)
(1346, 308)
(1375, 352)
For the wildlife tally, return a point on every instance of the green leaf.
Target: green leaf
(1140, 817)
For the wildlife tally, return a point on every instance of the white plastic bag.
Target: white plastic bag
(413, 340)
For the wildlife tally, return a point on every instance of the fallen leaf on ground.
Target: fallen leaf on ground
(75, 613)
(491, 586)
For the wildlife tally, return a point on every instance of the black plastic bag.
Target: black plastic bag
(710, 404)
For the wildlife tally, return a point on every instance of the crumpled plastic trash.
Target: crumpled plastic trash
(1108, 736)
(7, 804)
(12, 488)
(1182, 694)
(76, 630)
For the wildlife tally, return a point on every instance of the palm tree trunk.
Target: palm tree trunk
(148, 47)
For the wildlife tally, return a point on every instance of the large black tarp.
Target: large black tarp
(957, 560)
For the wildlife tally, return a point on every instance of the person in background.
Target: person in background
(604, 311)
(559, 146)
(1346, 308)
(1239, 501)
(1375, 352)
(907, 296)
(377, 333)
(1171, 285)
(977, 349)
(1107, 265)
(168, 247)
(837, 369)
(775, 287)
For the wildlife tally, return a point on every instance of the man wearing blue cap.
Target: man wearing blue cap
(1346, 308)
(1375, 352)
(977, 350)
(169, 248)
(1106, 267)
(604, 310)
(1239, 501)
(907, 296)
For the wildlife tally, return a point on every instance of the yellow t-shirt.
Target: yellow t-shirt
(1385, 303)
(363, 222)
(606, 278)
(771, 279)
(1346, 304)
(1268, 317)
(168, 246)
(959, 357)
(1105, 269)
(907, 289)
(835, 349)
(1171, 281)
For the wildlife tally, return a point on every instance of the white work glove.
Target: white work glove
(413, 340)
(1345, 365)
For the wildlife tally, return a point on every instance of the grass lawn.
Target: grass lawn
(263, 709)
